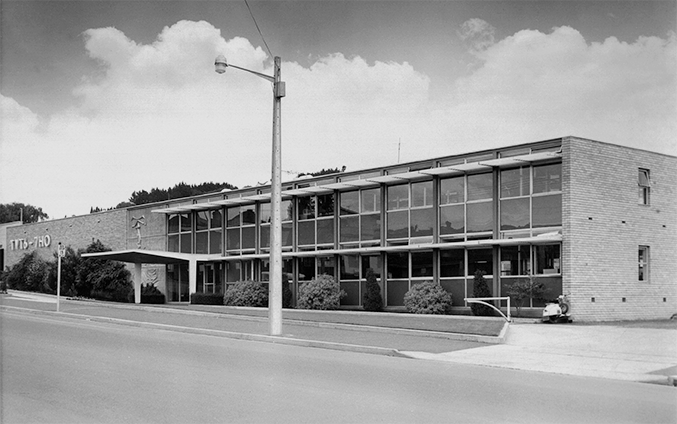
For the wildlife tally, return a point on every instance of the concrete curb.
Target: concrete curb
(501, 338)
(218, 333)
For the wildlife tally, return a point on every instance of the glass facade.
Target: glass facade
(441, 228)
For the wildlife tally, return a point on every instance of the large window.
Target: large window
(208, 235)
(546, 202)
(410, 211)
(480, 207)
(516, 260)
(515, 199)
(360, 218)
(180, 233)
(315, 221)
(644, 186)
(241, 229)
(265, 215)
(547, 259)
(452, 206)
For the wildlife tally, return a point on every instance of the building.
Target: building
(593, 220)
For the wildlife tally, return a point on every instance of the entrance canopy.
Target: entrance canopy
(138, 256)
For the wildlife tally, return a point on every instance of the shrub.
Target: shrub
(372, 298)
(481, 289)
(246, 293)
(427, 298)
(111, 282)
(524, 289)
(206, 299)
(29, 274)
(149, 294)
(322, 293)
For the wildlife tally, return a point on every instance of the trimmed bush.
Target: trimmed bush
(481, 289)
(206, 299)
(372, 298)
(246, 293)
(151, 294)
(427, 298)
(321, 293)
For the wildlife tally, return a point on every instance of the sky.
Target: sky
(101, 98)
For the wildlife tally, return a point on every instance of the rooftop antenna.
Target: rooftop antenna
(399, 145)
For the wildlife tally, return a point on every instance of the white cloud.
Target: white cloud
(533, 85)
(158, 114)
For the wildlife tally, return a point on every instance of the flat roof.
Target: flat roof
(404, 177)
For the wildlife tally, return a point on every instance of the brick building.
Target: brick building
(593, 220)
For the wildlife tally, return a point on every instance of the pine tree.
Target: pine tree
(481, 289)
(372, 298)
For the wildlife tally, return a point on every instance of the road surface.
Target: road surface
(62, 370)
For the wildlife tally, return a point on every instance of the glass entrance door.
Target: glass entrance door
(177, 282)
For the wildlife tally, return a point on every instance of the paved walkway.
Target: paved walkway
(604, 351)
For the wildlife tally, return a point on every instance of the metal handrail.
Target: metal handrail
(482, 301)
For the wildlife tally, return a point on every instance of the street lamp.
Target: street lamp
(275, 283)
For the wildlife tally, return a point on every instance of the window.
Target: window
(644, 186)
(208, 231)
(547, 259)
(241, 230)
(547, 178)
(286, 209)
(515, 260)
(643, 264)
(360, 217)
(179, 233)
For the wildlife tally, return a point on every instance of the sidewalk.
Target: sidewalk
(604, 351)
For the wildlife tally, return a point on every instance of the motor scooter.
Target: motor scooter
(557, 311)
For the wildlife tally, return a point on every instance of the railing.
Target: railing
(482, 301)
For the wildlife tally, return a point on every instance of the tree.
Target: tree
(523, 289)
(323, 172)
(481, 289)
(28, 274)
(372, 298)
(69, 272)
(287, 295)
(102, 278)
(11, 212)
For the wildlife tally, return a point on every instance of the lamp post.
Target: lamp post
(275, 283)
(61, 252)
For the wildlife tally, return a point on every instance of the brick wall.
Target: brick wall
(114, 228)
(77, 232)
(603, 227)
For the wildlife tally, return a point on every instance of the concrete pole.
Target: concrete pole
(58, 279)
(275, 284)
(137, 283)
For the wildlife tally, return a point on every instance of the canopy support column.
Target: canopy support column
(137, 283)
(192, 276)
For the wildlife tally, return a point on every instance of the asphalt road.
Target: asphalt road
(57, 370)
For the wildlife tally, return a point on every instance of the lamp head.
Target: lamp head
(220, 64)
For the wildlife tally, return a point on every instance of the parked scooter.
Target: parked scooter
(557, 311)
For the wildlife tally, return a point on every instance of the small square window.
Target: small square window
(644, 183)
(643, 263)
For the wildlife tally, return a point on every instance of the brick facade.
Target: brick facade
(77, 232)
(603, 227)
